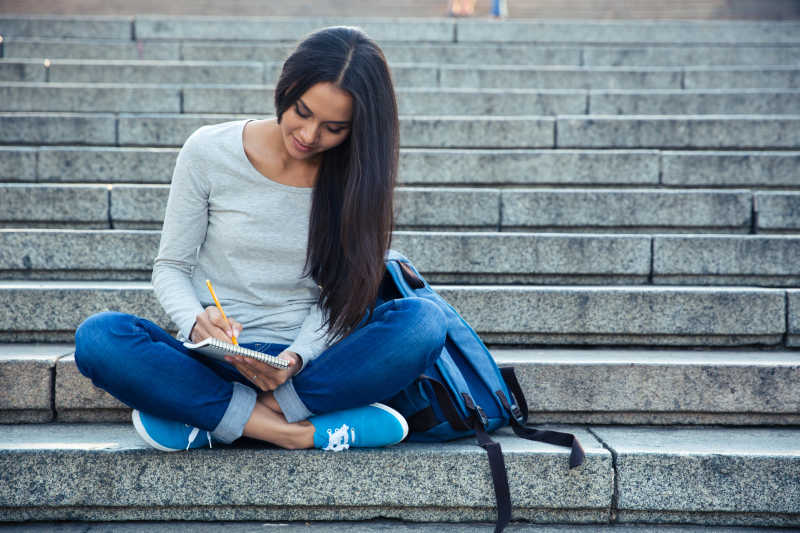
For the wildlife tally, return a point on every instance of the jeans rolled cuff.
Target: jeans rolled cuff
(241, 406)
(290, 403)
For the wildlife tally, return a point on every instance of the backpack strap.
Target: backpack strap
(425, 419)
(518, 423)
(497, 464)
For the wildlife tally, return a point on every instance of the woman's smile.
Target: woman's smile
(300, 146)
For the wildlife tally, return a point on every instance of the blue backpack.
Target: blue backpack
(464, 393)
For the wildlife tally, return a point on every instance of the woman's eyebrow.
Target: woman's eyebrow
(308, 110)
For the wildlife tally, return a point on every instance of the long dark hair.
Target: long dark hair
(351, 221)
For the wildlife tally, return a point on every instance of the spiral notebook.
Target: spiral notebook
(219, 349)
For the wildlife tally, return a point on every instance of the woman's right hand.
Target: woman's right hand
(210, 323)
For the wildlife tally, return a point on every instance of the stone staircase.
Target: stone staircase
(614, 206)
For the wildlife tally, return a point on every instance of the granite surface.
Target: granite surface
(26, 378)
(710, 131)
(778, 211)
(761, 260)
(96, 27)
(23, 70)
(568, 314)
(658, 384)
(24, 203)
(50, 254)
(477, 132)
(18, 163)
(529, 167)
(19, 47)
(776, 77)
(131, 204)
(156, 72)
(730, 169)
(793, 317)
(106, 164)
(79, 460)
(624, 208)
(695, 102)
(449, 207)
(352, 527)
(620, 310)
(614, 31)
(49, 311)
(535, 255)
(287, 28)
(706, 470)
(559, 77)
(699, 54)
(57, 128)
(89, 98)
(256, 99)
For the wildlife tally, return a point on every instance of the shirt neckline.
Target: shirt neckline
(271, 182)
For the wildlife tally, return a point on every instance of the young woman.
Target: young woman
(290, 218)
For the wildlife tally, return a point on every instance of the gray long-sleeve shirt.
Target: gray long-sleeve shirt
(228, 223)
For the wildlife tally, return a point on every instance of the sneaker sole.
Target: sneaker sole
(397, 415)
(137, 423)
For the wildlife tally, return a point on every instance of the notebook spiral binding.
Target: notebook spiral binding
(238, 350)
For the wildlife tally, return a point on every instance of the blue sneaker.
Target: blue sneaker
(370, 426)
(168, 435)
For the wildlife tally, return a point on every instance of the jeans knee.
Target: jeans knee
(430, 326)
(91, 336)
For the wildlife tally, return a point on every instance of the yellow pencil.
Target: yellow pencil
(211, 290)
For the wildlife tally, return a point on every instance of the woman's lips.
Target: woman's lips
(299, 146)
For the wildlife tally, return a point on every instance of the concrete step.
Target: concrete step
(442, 257)
(662, 475)
(151, 27)
(557, 77)
(258, 99)
(561, 386)
(520, 9)
(49, 311)
(588, 54)
(193, 73)
(475, 167)
(361, 526)
(138, 206)
(563, 131)
(616, 31)
(427, 482)
(453, 257)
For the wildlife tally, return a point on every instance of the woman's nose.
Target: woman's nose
(309, 134)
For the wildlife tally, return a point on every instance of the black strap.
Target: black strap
(518, 423)
(446, 404)
(513, 386)
(423, 420)
(497, 464)
(411, 278)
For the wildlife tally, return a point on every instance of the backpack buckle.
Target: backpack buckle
(483, 418)
(475, 409)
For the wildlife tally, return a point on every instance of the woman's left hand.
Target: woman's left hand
(262, 375)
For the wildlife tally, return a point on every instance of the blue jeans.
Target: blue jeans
(148, 369)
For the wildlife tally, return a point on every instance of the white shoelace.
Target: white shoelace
(193, 435)
(341, 438)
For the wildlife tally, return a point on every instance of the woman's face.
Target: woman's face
(319, 120)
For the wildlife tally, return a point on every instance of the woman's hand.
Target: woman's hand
(262, 375)
(210, 323)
